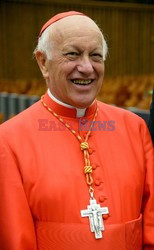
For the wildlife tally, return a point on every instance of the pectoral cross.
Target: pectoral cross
(95, 213)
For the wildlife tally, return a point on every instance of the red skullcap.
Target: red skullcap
(58, 17)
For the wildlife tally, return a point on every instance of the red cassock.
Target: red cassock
(43, 186)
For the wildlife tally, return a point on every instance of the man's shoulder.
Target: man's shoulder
(125, 121)
(119, 113)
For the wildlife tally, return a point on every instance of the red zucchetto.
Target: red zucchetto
(58, 17)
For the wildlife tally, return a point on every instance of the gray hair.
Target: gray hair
(45, 46)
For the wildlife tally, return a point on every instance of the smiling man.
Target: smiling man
(64, 182)
(74, 66)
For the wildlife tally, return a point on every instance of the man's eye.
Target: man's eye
(97, 57)
(72, 54)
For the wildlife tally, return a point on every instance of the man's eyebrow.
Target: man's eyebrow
(80, 49)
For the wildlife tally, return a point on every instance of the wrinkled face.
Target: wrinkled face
(76, 70)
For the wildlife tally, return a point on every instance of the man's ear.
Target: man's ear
(41, 59)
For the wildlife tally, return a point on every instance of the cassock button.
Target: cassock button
(94, 166)
(98, 182)
(105, 216)
(102, 198)
(90, 150)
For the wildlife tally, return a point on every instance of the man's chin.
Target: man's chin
(82, 104)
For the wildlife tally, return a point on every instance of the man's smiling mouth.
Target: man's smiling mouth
(82, 82)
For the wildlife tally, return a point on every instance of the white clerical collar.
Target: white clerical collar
(79, 112)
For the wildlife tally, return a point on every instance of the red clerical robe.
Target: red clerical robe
(43, 186)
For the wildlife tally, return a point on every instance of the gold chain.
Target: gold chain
(83, 144)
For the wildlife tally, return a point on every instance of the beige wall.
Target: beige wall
(128, 28)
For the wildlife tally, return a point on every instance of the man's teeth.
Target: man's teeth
(82, 82)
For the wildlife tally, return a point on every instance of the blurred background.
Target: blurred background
(128, 27)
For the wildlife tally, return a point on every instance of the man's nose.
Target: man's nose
(85, 66)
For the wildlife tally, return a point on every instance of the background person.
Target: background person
(151, 118)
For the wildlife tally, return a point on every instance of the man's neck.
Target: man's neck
(79, 112)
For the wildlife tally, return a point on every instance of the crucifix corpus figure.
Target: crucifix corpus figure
(95, 213)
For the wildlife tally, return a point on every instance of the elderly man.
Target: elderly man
(75, 173)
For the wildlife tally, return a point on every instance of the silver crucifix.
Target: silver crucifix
(95, 213)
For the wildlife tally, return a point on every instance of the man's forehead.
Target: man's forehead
(83, 33)
(75, 26)
(78, 41)
(75, 22)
